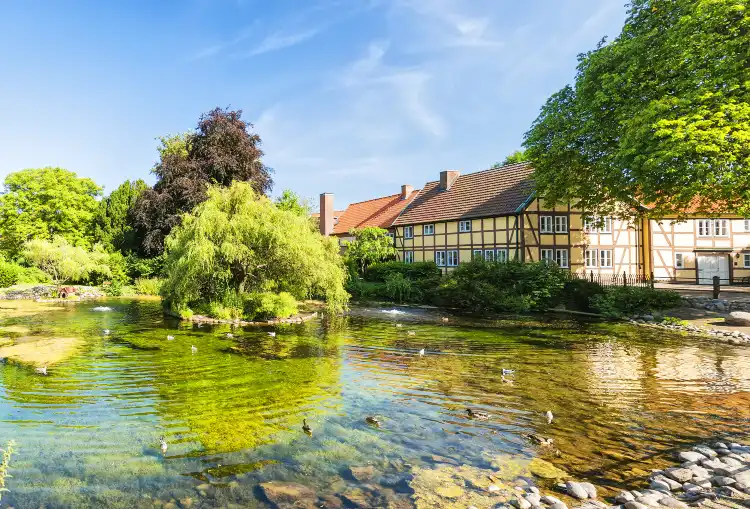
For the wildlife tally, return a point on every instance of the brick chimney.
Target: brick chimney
(406, 191)
(447, 177)
(326, 214)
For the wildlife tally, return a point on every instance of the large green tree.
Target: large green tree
(220, 151)
(660, 116)
(236, 249)
(113, 222)
(43, 203)
(370, 245)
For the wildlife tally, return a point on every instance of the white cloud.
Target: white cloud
(279, 41)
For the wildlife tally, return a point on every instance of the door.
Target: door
(713, 265)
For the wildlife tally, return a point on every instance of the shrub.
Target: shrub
(399, 288)
(671, 320)
(268, 305)
(364, 290)
(577, 294)
(112, 288)
(9, 274)
(65, 262)
(370, 245)
(144, 267)
(481, 286)
(148, 286)
(629, 300)
(415, 271)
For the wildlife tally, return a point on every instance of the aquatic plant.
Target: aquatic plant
(5, 465)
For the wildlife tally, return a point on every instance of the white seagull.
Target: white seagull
(272, 334)
(193, 349)
(549, 416)
(170, 338)
(421, 352)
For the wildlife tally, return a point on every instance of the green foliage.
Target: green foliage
(237, 243)
(671, 320)
(579, 292)
(113, 221)
(32, 275)
(138, 267)
(417, 271)
(661, 115)
(480, 286)
(519, 156)
(362, 290)
(630, 300)
(64, 262)
(14, 274)
(112, 288)
(291, 202)
(43, 203)
(220, 150)
(370, 245)
(148, 286)
(400, 288)
(265, 305)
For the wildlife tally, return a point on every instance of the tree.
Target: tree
(46, 202)
(291, 202)
(220, 151)
(65, 262)
(113, 222)
(519, 156)
(370, 245)
(661, 116)
(237, 252)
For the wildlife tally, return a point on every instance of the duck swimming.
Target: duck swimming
(508, 371)
(373, 421)
(549, 416)
(170, 338)
(193, 349)
(540, 440)
(106, 332)
(421, 352)
(272, 334)
(42, 370)
(477, 414)
(305, 427)
(230, 335)
(411, 333)
(163, 444)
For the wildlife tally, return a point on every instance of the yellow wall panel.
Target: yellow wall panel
(439, 228)
(489, 238)
(464, 239)
(418, 256)
(501, 236)
(452, 227)
(476, 238)
(429, 240)
(476, 224)
(452, 239)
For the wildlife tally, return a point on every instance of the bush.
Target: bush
(112, 288)
(267, 305)
(630, 300)
(144, 267)
(9, 273)
(400, 289)
(577, 294)
(481, 286)
(671, 320)
(65, 263)
(148, 286)
(364, 290)
(415, 271)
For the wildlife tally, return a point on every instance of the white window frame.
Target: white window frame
(464, 226)
(561, 224)
(704, 227)
(408, 256)
(546, 225)
(408, 232)
(477, 253)
(546, 255)
(679, 260)
(501, 255)
(440, 258)
(428, 229)
(721, 227)
(562, 258)
(746, 224)
(746, 259)
(606, 225)
(489, 255)
(589, 224)
(609, 263)
(591, 258)
(452, 258)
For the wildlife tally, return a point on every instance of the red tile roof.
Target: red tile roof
(494, 192)
(378, 212)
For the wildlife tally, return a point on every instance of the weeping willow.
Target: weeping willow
(237, 246)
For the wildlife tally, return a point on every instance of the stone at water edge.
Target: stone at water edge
(658, 484)
(624, 497)
(634, 505)
(550, 500)
(534, 498)
(680, 474)
(699, 471)
(521, 503)
(673, 485)
(574, 489)
(743, 477)
(286, 493)
(738, 318)
(693, 456)
(721, 480)
(590, 489)
(673, 503)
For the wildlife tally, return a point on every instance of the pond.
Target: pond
(231, 408)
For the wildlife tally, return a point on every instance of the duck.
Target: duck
(170, 338)
(163, 445)
(477, 414)
(508, 371)
(373, 421)
(272, 334)
(398, 325)
(230, 335)
(411, 333)
(540, 440)
(305, 427)
(421, 352)
(445, 319)
(193, 349)
(106, 332)
(549, 416)
(42, 370)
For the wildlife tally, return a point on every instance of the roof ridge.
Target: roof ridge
(379, 198)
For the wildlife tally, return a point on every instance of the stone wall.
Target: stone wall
(718, 305)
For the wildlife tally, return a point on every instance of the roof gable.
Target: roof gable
(494, 192)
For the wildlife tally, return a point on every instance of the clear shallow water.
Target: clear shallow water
(87, 434)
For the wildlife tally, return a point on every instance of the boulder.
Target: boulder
(590, 489)
(624, 497)
(706, 451)
(673, 503)
(741, 318)
(680, 474)
(743, 477)
(634, 505)
(521, 503)
(692, 456)
(287, 493)
(661, 485)
(721, 480)
(575, 489)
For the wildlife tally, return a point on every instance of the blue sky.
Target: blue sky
(354, 97)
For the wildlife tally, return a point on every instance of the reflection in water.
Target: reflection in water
(232, 413)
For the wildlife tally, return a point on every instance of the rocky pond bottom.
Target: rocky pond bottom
(229, 403)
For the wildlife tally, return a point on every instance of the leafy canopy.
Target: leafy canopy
(64, 262)
(237, 245)
(519, 156)
(291, 201)
(46, 202)
(370, 245)
(660, 115)
(218, 152)
(113, 221)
